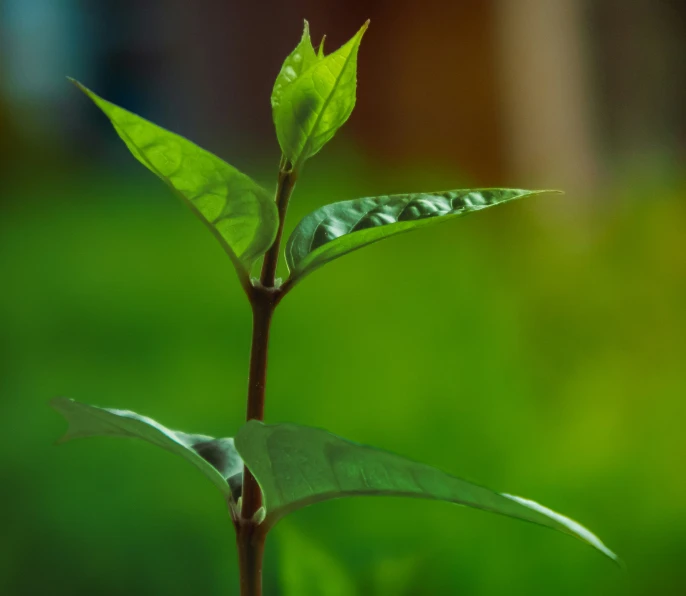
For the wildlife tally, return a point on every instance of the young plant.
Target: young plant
(269, 470)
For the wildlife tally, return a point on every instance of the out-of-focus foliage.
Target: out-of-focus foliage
(556, 347)
(308, 570)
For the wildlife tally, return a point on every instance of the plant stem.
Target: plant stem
(262, 311)
(284, 188)
(249, 539)
(264, 297)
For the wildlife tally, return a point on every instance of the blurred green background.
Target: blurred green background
(538, 348)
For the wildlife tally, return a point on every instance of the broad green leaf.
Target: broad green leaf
(308, 570)
(298, 61)
(216, 458)
(340, 228)
(297, 466)
(240, 213)
(318, 101)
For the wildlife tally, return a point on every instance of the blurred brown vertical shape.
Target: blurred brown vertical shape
(427, 86)
(545, 94)
(6, 137)
(642, 54)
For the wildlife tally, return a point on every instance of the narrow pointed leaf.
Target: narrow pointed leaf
(340, 228)
(317, 103)
(216, 458)
(297, 62)
(297, 466)
(240, 213)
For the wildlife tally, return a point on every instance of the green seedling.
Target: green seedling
(267, 471)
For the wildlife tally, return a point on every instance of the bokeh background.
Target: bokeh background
(538, 348)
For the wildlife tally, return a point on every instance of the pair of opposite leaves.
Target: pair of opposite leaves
(295, 466)
(313, 96)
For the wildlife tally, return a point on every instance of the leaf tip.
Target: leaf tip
(76, 83)
(546, 191)
(56, 403)
(81, 87)
(59, 404)
(620, 563)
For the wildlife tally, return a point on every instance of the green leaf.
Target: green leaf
(240, 213)
(298, 61)
(317, 100)
(216, 458)
(320, 52)
(340, 228)
(297, 466)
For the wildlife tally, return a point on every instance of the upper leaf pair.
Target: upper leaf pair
(297, 466)
(312, 97)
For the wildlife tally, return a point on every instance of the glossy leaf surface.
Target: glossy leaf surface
(339, 228)
(240, 213)
(216, 458)
(297, 466)
(317, 101)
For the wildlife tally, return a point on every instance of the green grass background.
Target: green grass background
(538, 348)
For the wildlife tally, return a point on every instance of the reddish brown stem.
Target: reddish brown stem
(262, 311)
(264, 297)
(284, 189)
(263, 307)
(250, 544)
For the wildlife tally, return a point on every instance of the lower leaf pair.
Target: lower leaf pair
(297, 466)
